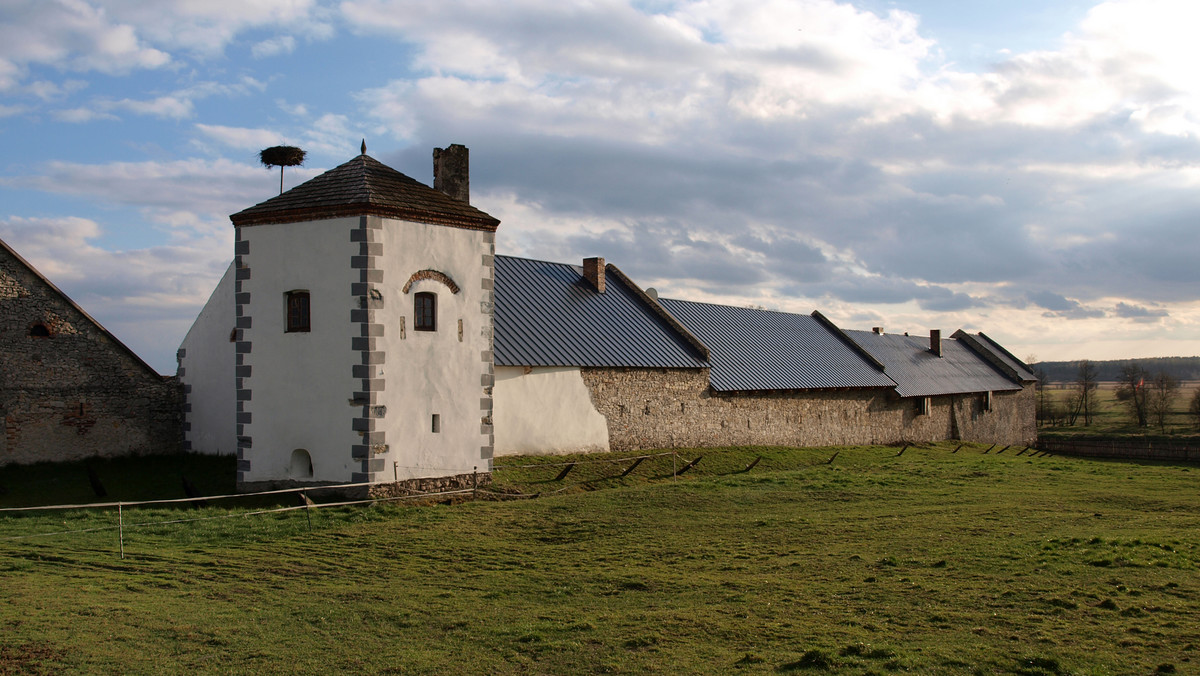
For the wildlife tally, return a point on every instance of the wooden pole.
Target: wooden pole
(121, 529)
(632, 467)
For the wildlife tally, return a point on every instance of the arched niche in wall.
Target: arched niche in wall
(301, 466)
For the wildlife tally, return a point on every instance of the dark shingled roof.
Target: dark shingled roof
(920, 373)
(996, 354)
(365, 186)
(752, 350)
(548, 314)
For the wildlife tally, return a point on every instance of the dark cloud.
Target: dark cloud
(1138, 313)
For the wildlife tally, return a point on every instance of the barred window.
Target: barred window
(298, 320)
(425, 311)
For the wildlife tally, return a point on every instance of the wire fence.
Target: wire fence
(565, 467)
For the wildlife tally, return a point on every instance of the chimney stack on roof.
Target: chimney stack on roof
(593, 270)
(452, 172)
(935, 341)
(877, 330)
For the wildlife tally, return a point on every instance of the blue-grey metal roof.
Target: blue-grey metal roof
(918, 372)
(763, 350)
(1000, 357)
(548, 314)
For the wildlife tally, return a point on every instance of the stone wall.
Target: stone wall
(674, 408)
(77, 392)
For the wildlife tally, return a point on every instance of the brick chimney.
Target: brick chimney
(877, 330)
(935, 341)
(593, 271)
(451, 172)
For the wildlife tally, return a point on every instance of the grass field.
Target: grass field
(1112, 416)
(928, 562)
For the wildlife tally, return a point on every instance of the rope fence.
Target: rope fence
(308, 504)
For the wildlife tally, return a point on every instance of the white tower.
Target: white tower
(363, 342)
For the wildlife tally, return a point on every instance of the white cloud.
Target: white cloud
(70, 34)
(241, 138)
(147, 297)
(191, 185)
(284, 44)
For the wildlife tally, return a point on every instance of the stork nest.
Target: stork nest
(282, 156)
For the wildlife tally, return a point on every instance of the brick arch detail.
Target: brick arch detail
(431, 274)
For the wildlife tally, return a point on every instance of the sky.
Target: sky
(1026, 169)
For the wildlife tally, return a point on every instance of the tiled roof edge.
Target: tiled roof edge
(242, 219)
(974, 344)
(661, 311)
(845, 338)
(80, 310)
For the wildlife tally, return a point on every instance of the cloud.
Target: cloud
(70, 35)
(284, 44)
(1138, 313)
(241, 138)
(177, 105)
(1058, 306)
(147, 297)
(190, 186)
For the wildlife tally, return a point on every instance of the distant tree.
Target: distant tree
(1163, 391)
(1083, 401)
(1194, 407)
(1047, 410)
(281, 156)
(1133, 392)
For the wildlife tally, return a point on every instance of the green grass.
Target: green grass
(929, 562)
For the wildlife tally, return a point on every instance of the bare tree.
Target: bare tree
(1084, 398)
(1134, 394)
(1047, 409)
(1163, 391)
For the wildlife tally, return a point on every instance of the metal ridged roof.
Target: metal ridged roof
(920, 373)
(547, 314)
(762, 350)
(1010, 364)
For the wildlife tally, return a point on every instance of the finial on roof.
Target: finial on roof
(364, 147)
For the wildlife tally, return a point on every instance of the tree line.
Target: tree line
(1148, 397)
(1179, 368)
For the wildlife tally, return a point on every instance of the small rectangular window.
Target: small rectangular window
(987, 401)
(923, 405)
(437, 423)
(425, 311)
(298, 320)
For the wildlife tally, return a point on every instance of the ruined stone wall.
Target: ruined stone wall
(77, 392)
(673, 408)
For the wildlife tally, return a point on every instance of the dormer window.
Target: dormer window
(39, 330)
(425, 311)
(298, 320)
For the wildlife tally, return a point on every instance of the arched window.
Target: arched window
(39, 330)
(425, 311)
(298, 320)
(301, 466)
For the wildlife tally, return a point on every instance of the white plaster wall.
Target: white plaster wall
(547, 410)
(207, 367)
(301, 383)
(433, 372)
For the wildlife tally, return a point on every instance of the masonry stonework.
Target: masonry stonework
(76, 392)
(674, 408)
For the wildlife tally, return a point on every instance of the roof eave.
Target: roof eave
(250, 217)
